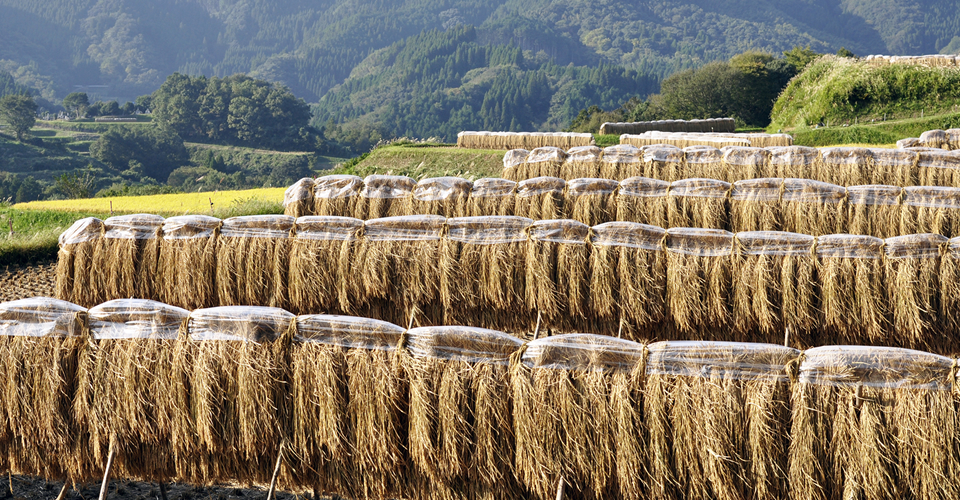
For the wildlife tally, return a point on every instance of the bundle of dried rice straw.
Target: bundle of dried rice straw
(541, 162)
(322, 260)
(715, 416)
(938, 168)
(756, 204)
(582, 161)
(492, 197)
(557, 272)
(930, 209)
(540, 198)
(742, 163)
(188, 261)
(703, 161)
(384, 196)
(620, 162)
(127, 257)
(337, 195)
(912, 284)
(76, 262)
(700, 265)
(252, 260)
(874, 210)
(512, 160)
(698, 203)
(643, 200)
(873, 422)
(663, 162)
(794, 161)
(591, 201)
(813, 207)
(894, 166)
(852, 302)
(298, 198)
(846, 166)
(446, 196)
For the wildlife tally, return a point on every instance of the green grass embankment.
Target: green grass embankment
(420, 161)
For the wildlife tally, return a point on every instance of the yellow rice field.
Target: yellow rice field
(180, 203)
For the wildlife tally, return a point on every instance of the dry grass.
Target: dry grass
(128, 256)
(795, 161)
(76, 259)
(846, 166)
(337, 195)
(252, 260)
(894, 166)
(322, 262)
(683, 140)
(512, 160)
(187, 269)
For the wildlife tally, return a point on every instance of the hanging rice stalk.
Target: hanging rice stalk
(384, 196)
(40, 340)
(322, 266)
(846, 166)
(703, 161)
(542, 162)
(509, 140)
(938, 168)
(576, 410)
(813, 207)
(698, 203)
(347, 425)
(188, 262)
(794, 161)
(512, 160)
(756, 205)
(76, 264)
(930, 209)
(873, 422)
(628, 271)
(620, 162)
(252, 260)
(540, 198)
(716, 415)
(950, 288)
(492, 197)
(337, 195)
(935, 139)
(127, 257)
(643, 200)
(774, 285)
(581, 162)
(874, 210)
(699, 279)
(129, 389)
(484, 272)
(912, 285)
(591, 201)
(557, 272)
(663, 162)
(953, 139)
(298, 198)
(912, 143)
(460, 426)
(234, 365)
(850, 272)
(446, 196)
(742, 163)
(897, 167)
(683, 140)
(401, 268)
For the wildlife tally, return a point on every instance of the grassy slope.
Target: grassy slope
(878, 133)
(421, 162)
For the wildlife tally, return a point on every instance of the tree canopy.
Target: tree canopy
(77, 103)
(20, 112)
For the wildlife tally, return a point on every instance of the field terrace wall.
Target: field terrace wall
(364, 408)
(760, 204)
(510, 272)
(525, 140)
(727, 125)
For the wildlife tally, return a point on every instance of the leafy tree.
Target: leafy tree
(799, 57)
(77, 103)
(109, 108)
(75, 185)
(144, 103)
(128, 108)
(843, 52)
(139, 151)
(29, 190)
(20, 112)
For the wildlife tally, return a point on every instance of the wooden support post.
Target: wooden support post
(560, 489)
(106, 472)
(163, 491)
(276, 472)
(536, 331)
(63, 491)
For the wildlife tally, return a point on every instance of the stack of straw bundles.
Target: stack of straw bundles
(930, 209)
(846, 166)
(542, 162)
(492, 197)
(188, 262)
(698, 203)
(953, 139)
(348, 407)
(935, 139)
(40, 340)
(856, 426)
(938, 168)
(715, 415)
(643, 200)
(774, 286)
(298, 198)
(484, 271)
(700, 265)
(252, 260)
(894, 166)
(850, 271)
(620, 162)
(540, 198)
(581, 162)
(460, 427)
(401, 269)
(130, 394)
(628, 272)
(577, 416)
(512, 161)
(446, 196)
(755, 204)
(128, 253)
(874, 210)
(662, 162)
(761, 140)
(591, 201)
(909, 143)
(234, 364)
(793, 161)
(337, 195)
(384, 196)
(322, 262)
(557, 271)
(813, 207)
(703, 161)
(912, 283)
(75, 262)
(745, 163)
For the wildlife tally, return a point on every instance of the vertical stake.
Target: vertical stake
(211, 204)
(106, 472)
(536, 331)
(276, 472)
(63, 491)
(620, 331)
(786, 337)
(560, 489)
(111, 207)
(163, 491)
